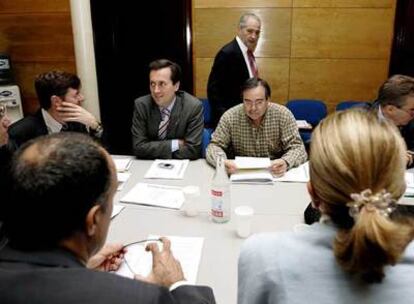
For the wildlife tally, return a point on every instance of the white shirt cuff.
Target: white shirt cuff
(178, 284)
(174, 145)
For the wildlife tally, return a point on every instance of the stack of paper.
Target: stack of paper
(155, 195)
(122, 164)
(167, 169)
(252, 170)
(187, 250)
(297, 175)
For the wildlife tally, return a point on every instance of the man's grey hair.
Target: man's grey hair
(245, 17)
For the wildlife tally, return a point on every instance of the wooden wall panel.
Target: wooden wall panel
(241, 3)
(344, 3)
(274, 40)
(335, 80)
(38, 37)
(342, 33)
(30, 6)
(201, 73)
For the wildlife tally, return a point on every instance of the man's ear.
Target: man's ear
(93, 220)
(315, 201)
(177, 86)
(55, 101)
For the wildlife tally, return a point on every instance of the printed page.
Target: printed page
(155, 195)
(187, 250)
(122, 164)
(298, 175)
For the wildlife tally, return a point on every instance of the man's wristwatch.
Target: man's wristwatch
(98, 130)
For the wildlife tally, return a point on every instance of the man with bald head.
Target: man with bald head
(233, 65)
(56, 223)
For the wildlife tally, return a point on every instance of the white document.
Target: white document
(252, 162)
(409, 179)
(155, 195)
(116, 209)
(257, 176)
(303, 124)
(167, 169)
(187, 250)
(296, 175)
(122, 164)
(122, 179)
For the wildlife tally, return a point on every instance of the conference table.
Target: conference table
(277, 207)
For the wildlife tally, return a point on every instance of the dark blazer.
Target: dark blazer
(186, 122)
(227, 75)
(58, 277)
(33, 126)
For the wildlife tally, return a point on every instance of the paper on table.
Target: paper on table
(116, 209)
(122, 179)
(155, 195)
(252, 162)
(187, 250)
(298, 175)
(167, 169)
(257, 176)
(303, 124)
(409, 179)
(122, 164)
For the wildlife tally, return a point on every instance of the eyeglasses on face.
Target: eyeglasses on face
(257, 103)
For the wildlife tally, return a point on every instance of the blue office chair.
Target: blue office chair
(344, 105)
(205, 140)
(311, 110)
(206, 111)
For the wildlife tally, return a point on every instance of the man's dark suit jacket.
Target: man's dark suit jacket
(227, 75)
(33, 126)
(58, 277)
(186, 122)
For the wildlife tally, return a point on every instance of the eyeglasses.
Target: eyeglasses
(3, 111)
(257, 103)
(134, 243)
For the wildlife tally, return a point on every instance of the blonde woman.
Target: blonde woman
(360, 251)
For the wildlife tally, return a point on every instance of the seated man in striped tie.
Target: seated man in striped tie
(168, 123)
(60, 110)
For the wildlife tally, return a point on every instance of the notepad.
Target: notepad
(254, 176)
(296, 175)
(155, 195)
(243, 162)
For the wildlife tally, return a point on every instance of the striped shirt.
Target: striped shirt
(276, 137)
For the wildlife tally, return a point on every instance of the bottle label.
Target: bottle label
(217, 203)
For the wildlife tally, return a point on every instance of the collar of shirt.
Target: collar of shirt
(171, 105)
(52, 125)
(243, 48)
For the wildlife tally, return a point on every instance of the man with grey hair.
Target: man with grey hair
(233, 65)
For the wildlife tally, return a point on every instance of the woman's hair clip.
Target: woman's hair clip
(381, 201)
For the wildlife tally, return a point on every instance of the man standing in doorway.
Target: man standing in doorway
(233, 65)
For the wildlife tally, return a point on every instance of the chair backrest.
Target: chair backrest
(343, 105)
(205, 140)
(206, 111)
(311, 110)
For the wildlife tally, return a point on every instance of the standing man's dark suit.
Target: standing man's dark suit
(58, 277)
(33, 126)
(186, 122)
(227, 75)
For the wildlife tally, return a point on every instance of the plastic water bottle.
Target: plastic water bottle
(220, 193)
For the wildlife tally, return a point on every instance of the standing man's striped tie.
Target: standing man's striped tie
(165, 119)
